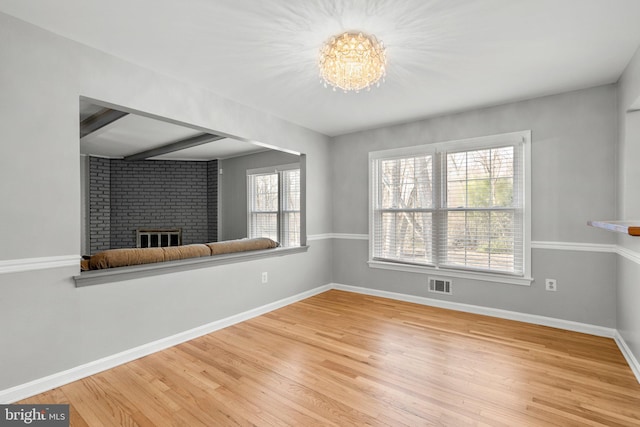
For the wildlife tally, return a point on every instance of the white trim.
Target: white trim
(28, 264)
(629, 254)
(324, 236)
(273, 169)
(526, 189)
(628, 355)
(571, 246)
(521, 143)
(351, 236)
(457, 144)
(41, 385)
(345, 236)
(100, 156)
(569, 325)
(49, 382)
(486, 277)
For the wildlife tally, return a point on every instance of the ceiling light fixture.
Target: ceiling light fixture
(352, 62)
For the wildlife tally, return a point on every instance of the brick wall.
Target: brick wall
(212, 200)
(156, 194)
(99, 204)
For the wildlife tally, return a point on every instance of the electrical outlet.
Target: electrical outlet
(550, 285)
(265, 277)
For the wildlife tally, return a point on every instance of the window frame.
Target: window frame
(280, 213)
(434, 149)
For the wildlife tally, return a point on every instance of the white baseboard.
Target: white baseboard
(487, 311)
(628, 355)
(510, 315)
(41, 385)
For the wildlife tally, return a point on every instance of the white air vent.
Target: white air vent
(439, 285)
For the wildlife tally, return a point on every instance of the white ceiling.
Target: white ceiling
(133, 134)
(444, 55)
(221, 149)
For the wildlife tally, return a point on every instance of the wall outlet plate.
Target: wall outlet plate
(265, 277)
(550, 285)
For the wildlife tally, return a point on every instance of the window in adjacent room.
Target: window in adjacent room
(274, 204)
(460, 206)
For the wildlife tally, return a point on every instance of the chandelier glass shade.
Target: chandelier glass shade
(352, 62)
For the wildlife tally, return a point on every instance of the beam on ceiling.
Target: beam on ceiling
(175, 146)
(99, 120)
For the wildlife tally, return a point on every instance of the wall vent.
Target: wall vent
(440, 286)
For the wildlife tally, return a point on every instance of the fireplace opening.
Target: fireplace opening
(158, 238)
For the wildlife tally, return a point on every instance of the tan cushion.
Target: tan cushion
(187, 251)
(241, 245)
(112, 258)
(122, 257)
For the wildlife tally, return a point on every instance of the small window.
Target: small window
(456, 205)
(274, 204)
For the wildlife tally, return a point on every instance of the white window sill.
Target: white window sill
(443, 272)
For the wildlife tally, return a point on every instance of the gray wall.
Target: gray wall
(49, 325)
(573, 170)
(628, 302)
(233, 189)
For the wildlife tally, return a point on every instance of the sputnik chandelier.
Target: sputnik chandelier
(352, 62)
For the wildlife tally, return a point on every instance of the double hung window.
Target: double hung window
(274, 204)
(459, 206)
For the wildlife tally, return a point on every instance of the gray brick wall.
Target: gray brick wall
(99, 204)
(212, 200)
(125, 196)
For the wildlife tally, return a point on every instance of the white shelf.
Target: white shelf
(631, 228)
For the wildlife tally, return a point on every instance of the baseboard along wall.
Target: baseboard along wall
(41, 385)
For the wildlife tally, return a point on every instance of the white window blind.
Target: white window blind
(459, 205)
(263, 205)
(404, 209)
(274, 204)
(482, 210)
(290, 222)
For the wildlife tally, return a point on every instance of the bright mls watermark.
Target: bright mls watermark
(34, 415)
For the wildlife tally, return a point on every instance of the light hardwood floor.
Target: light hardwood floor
(347, 359)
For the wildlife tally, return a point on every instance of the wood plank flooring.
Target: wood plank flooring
(343, 359)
